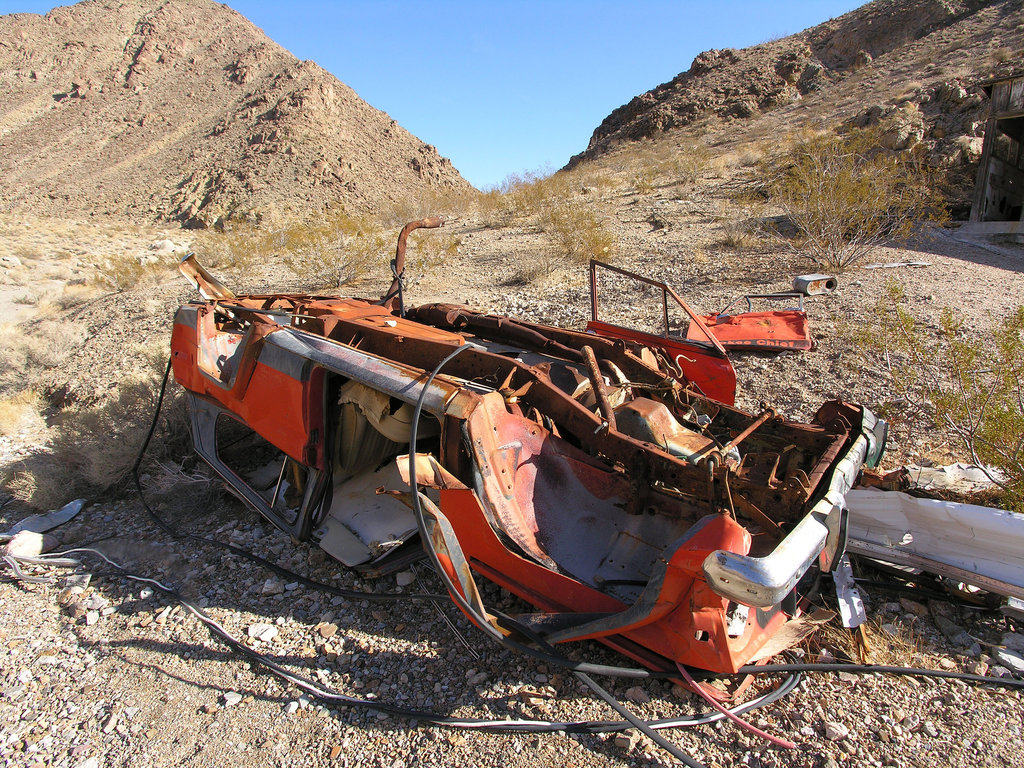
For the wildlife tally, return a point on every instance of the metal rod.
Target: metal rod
(766, 415)
(597, 382)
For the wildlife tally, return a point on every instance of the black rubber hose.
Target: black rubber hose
(864, 669)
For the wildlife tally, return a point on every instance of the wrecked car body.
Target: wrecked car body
(575, 471)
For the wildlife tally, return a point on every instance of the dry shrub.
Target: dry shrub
(93, 447)
(453, 203)
(330, 250)
(662, 164)
(23, 355)
(20, 411)
(578, 233)
(233, 248)
(74, 295)
(1001, 55)
(894, 645)
(845, 195)
(643, 181)
(971, 389)
(429, 252)
(739, 234)
(563, 207)
(125, 272)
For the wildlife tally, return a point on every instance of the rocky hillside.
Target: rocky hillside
(183, 110)
(864, 65)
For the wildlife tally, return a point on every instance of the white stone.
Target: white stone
(263, 632)
(836, 731)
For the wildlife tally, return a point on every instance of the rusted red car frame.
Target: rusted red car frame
(575, 471)
(698, 359)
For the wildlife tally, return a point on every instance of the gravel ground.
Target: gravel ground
(118, 674)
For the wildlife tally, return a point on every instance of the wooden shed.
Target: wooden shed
(998, 206)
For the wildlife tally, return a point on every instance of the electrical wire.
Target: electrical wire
(784, 743)
(866, 669)
(503, 725)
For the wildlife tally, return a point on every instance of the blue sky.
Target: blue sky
(507, 87)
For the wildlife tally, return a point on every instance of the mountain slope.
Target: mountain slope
(184, 110)
(871, 54)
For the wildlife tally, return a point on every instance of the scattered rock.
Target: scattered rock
(231, 698)
(913, 607)
(1011, 660)
(1014, 641)
(637, 695)
(953, 632)
(625, 740)
(263, 632)
(836, 731)
(272, 587)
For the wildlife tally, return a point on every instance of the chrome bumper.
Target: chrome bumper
(762, 582)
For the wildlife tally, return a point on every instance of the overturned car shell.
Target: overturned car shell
(588, 482)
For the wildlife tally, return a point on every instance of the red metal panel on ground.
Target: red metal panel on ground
(782, 329)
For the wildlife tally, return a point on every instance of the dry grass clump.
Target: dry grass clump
(22, 354)
(20, 411)
(891, 644)
(1001, 55)
(739, 234)
(93, 447)
(124, 272)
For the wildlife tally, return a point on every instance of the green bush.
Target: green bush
(972, 390)
(845, 195)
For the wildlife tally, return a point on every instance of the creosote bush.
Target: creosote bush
(972, 390)
(330, 250)
(845, 195)
(565, 206)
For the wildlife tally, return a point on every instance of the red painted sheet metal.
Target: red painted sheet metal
(778, 330)
(258, 394)
(705, 368)
(694, 628)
